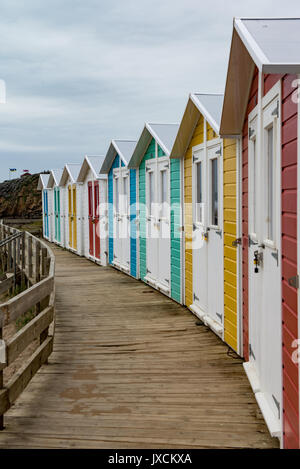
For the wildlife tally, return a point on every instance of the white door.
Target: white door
(215, 235)
(254, 293)
(125, 219)
(152, 228)
(163, 223)
(200, 234)
(208, 236)
(117, 217)
(265, 275)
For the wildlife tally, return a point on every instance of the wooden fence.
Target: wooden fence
(28, 264)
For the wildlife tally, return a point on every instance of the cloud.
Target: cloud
(80, 73)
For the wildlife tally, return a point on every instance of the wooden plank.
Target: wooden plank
(14, 308)
(127, 360)
(27, 334)
(6, 284)
(19, 382)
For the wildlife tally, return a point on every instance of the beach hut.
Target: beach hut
(122, 198)
(159, 208)
(42, 186)
(71, 209)
(261, 110)
(54, 196)
(210, 245)
(94, 209)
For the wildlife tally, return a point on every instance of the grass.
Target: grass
(25, 319)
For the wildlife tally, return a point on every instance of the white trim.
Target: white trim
(253, 48)
(273, 424)
(119, 153)
(298, 232)
(207, 116)
(182, 233)
(239, 234)
(157, 139)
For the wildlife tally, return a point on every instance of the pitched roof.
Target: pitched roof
(123, 148)
(210, 106)
(94, 163)
(70, 171)
(54, 177)
(43, 181)
(163, 134)
(270, 44)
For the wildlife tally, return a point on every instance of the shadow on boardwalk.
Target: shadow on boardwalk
(130, 369)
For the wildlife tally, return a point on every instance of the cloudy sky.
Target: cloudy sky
(79, 73)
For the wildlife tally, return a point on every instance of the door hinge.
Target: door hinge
(194, 158)
(220, 316)
(251, 132)
(236, 242)
(251, 242)
(275, 255)
(219, 232)
(275, 112)
(251, 353)
(277, 405)
(194, 227)
(294, 281)
(196, 297)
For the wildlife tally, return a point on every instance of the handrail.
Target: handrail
(10, 238)
(35, 264)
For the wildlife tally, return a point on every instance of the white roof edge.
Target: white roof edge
(86, 158)
(204, 111)
(251, 45)
(118, 149)
(155, 136)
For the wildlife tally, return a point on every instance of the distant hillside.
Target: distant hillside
(20, 198)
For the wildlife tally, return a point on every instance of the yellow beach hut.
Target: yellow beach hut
(211, 246)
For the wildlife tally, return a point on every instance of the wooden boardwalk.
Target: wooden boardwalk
(130, 369)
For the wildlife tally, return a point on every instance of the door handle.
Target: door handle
(251, 242)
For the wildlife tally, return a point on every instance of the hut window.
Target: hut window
(270, 184)
(254, 185)
(163, 196)
(117, 194)
(125, 193)
(214, 192)
(199, 192)
(151, 193)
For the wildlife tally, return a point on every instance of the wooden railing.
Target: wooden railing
(27, 264)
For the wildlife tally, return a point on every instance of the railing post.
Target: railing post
(22, 260)
(45, 302)
(29, 258)
(1, 385)
(37, 270)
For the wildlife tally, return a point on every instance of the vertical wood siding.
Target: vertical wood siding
(115, 164)
(230, 252)
(251, 104)
(175, 230)
(197, 139)
(150, 153)
(289, 264)
(175, 218)
(133, 240)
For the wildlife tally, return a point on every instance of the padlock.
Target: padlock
(256, 261)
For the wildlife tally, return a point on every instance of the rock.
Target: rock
(20, 198)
